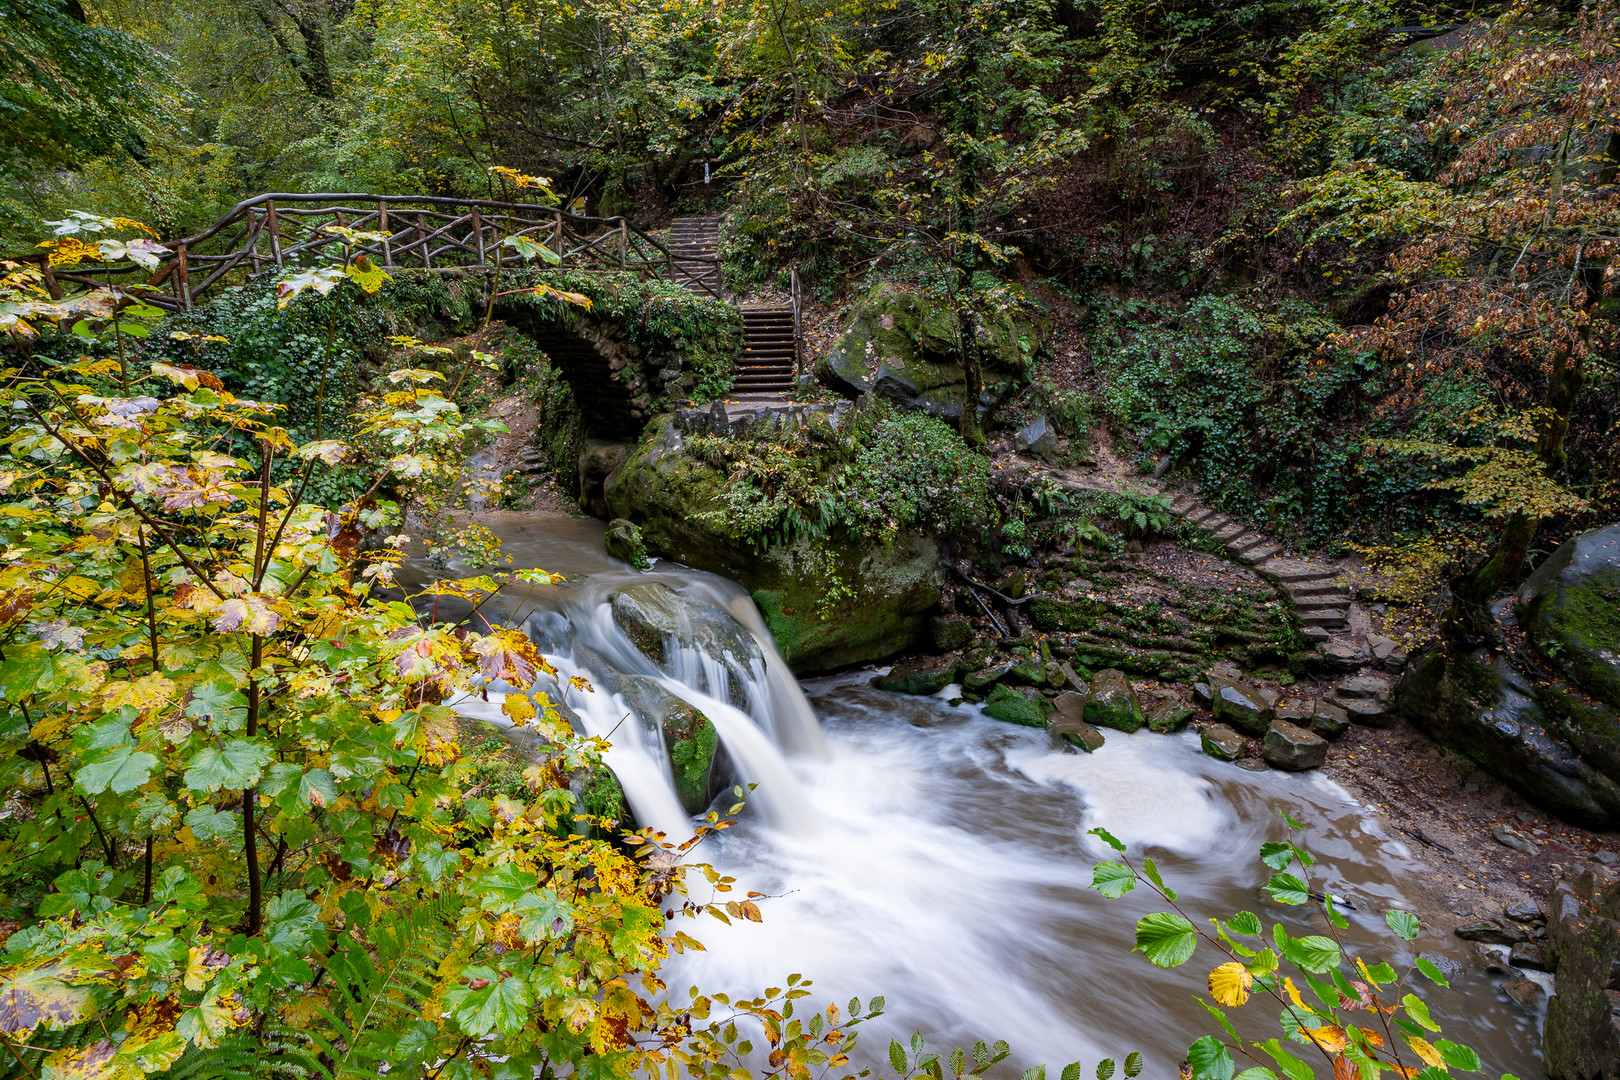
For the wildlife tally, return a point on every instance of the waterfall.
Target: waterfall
(758, 711)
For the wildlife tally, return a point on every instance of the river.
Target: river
(924, 852)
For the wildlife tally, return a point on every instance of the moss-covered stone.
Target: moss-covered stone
(691, 741)
(1112, 703)
(1488, 713)
(602, 796)
(903, 347)
(923, 676)
(623, 541)
(1573, 611)
(1016, 706)
(828, 602)
(1073, 616)
(1170, 717)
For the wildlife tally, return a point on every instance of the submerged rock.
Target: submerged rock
(922, 676)
(1572, 611)
(652, 614)
(1293, 748)
(1016, 707)
(689, 737)
(1113, 703)
(1070, 725)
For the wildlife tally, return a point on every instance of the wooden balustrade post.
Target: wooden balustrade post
(478, 233)
(275, 230)
(557, 241)
(624, 243)
(182, 279)
(422, 234)
(382, 215)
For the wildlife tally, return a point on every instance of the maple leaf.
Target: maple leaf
(38, 994)
(509, 655)
(251, 613)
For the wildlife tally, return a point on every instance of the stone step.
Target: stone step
(1324, 587)
(1184, 505)
(1228, 532)
(1202, 514)
(1261, 553)
(1329, 617)
(1292, 571)
(1247, 542)
(1320, 603)
(1316, 633)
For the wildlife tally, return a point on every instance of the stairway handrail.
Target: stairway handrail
(798, 334)
(481, 214)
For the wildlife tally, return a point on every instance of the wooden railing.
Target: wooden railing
(281, 229)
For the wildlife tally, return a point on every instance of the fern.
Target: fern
(379, 990)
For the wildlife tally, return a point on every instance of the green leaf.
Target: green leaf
(1277, 854)
(501, 1004)
(1105, 1068)
(1259, 1072)
(1036, 1073)
(1313, 953)
(121, 769)
(1210, 1059)
(1133, 1065)
(1292, 1067)
(1071, 1071)
(1419, 1011)
(1152, 872)
(1381, 973)
(1244, 922)
(1404, 923)
(1107, 838)
(1220, 1017)
(897, 1056)
(1457, 1055)
(1112, 879)
(1166, 939)
(237, 764)
(1287, 889)
(1432, 973)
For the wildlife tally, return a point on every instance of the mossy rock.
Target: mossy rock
(923, 676)
(1016, 707)
(1573, 611)
(623, 541)
(1112, 703)
(1072, 616)
(828, 603)
(602, 796)
(903, 347)
(691, 741)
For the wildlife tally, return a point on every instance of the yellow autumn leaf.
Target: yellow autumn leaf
(518, 708)
(1329, 1037)
(1229, 984)
(1425, 1050)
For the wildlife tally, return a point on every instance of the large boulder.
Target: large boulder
(903, 347)
(884, 593)
(1112, 703)
(689, 738)
(1491, 713)
(1012, 706)
(1572, 611)
(1240, 706)
(1293, 748)
(926, 675)
(1581, 1036)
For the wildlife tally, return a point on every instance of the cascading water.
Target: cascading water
(923, 852)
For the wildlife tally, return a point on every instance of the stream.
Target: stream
(926, 853)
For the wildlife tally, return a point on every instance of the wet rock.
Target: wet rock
(920, 676)
(1528, 955)
(1492, 932)
(1251, 764)
(651, 614)
(1486, 710)
(1449, 967)
(1387, 654)
(1170, 716)
(1016, 707)
(1113, 702)
(1069, 724)
(1513, 838)
(949, 633)
(1527, 911)
(623, 541)
(1361, 688)
(1221, 742)
(1293, 748)
(978, 683)
(1027, 673)
(1605, 858)
(1239, 706)
(689, 737)
(1329, 721)
(1073, 681)
(1202, 693)
(1490, 959)
(1572, 611)
(1527, 994)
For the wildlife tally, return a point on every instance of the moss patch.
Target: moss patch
(1016, 707)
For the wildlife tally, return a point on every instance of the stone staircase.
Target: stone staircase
(1320, 596)
(770, 356)
(694, 242)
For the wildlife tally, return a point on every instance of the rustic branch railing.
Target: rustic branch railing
(278, 229)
